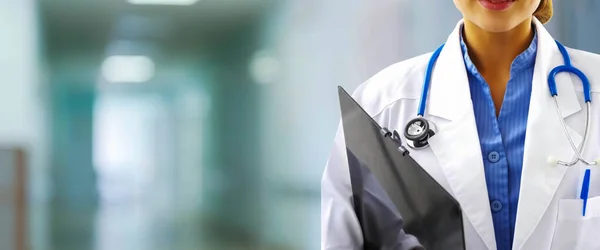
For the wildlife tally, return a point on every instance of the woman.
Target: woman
(497, 126)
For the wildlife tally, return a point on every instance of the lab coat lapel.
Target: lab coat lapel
(456, 144)
(544, 138)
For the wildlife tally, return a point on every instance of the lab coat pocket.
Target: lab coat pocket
(575, 231)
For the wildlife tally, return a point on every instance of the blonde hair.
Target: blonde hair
(544, 11)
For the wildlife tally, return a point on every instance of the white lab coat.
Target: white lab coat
(549, 213)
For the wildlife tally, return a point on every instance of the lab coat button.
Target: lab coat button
(493, 157)
(496, 206)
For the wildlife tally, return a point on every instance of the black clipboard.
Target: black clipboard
(392, 194)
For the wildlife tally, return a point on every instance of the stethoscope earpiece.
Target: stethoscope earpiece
(552, 161)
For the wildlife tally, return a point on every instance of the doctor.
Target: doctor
(497, 126)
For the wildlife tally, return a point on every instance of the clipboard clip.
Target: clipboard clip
(396, 138)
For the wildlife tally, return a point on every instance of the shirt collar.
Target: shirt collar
(521, 62)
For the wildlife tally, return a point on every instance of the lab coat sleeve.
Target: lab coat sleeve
(340, 226)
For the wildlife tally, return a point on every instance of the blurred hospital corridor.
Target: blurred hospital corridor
(191, 124)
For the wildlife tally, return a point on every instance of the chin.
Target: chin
(496, 26)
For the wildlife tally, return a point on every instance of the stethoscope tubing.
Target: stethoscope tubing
(427, 80)
(567, 68)
(587, 93)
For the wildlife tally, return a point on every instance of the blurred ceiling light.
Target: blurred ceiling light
(164, 2)
(264, 67)
(133, 69)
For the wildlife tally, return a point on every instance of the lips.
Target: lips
(496, 5)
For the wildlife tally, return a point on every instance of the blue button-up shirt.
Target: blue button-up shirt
(502, 138)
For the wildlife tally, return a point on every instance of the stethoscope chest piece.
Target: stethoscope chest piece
(417, 133)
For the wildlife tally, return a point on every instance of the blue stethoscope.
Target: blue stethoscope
(419, 130)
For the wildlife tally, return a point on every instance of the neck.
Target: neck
(495, 51)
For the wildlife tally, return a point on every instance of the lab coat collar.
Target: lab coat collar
(449, 95)
(544, 138)
(456, 143)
